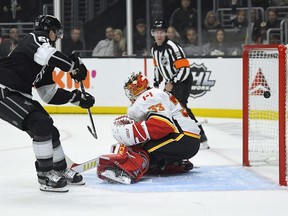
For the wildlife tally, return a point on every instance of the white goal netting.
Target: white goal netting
(263, 106)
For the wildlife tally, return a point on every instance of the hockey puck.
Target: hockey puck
(267, 94)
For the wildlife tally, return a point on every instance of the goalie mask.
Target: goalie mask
(137, 83)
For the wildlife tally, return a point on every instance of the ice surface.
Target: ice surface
(218, 185)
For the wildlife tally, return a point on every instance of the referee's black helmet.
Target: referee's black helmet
(159, 24)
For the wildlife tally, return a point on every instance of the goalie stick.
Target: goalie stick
(91, 164)
(205, 121)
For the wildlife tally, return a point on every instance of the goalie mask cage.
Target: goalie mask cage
(264, 107)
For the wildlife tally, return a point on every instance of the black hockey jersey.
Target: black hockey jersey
(32, 60)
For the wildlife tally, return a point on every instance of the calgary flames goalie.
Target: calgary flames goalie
(156, 136)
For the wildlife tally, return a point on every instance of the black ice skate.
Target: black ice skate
(51, 181)
(72, 177)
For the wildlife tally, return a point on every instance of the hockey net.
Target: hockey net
(264, 107)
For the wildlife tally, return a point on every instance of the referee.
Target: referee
(171, 64)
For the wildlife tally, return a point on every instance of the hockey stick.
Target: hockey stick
(94, 134)
(80, 168)
(205, 121)
(83, 167)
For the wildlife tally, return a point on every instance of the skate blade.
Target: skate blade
(110, 176)
(51, 189)
(76, 184)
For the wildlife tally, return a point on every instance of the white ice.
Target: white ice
(219, 185)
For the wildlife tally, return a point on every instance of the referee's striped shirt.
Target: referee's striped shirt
(170, 63)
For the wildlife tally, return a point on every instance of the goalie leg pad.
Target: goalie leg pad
(125, 165)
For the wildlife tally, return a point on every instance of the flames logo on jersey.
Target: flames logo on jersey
(201, 80)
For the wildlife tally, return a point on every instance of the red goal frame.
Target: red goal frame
(282, 106)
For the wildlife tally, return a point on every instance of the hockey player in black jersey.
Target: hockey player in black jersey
(30, 65)
(171, 64)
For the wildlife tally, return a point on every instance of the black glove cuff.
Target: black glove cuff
(75, 59)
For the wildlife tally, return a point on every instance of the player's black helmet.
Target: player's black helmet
(47, 23)
(159, 24)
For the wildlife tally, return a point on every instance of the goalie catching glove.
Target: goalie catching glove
(124, 165)
(79, 71)
(126, 130)
(85, 101)
(123, 120)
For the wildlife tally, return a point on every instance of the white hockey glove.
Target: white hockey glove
(118, 122)
(125, 130)
(123, 120)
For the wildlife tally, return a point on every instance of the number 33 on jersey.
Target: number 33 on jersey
(156, 114)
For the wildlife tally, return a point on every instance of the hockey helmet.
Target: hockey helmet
(159, 25)
(137, 83)
(47, 23)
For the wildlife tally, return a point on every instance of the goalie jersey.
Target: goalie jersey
(155, 114)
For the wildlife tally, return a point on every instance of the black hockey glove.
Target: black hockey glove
(79, 71)
(85, 101)
(78, 74)
(76, 60)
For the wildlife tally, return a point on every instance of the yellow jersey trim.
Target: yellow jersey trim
(191, 135)
(165, 143)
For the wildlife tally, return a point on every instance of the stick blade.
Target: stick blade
(81, 167)
(92, 133)
(88, 165)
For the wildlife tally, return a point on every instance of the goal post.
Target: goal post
(264, 107)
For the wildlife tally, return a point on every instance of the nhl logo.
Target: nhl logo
(164, 60)
(201, 80)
